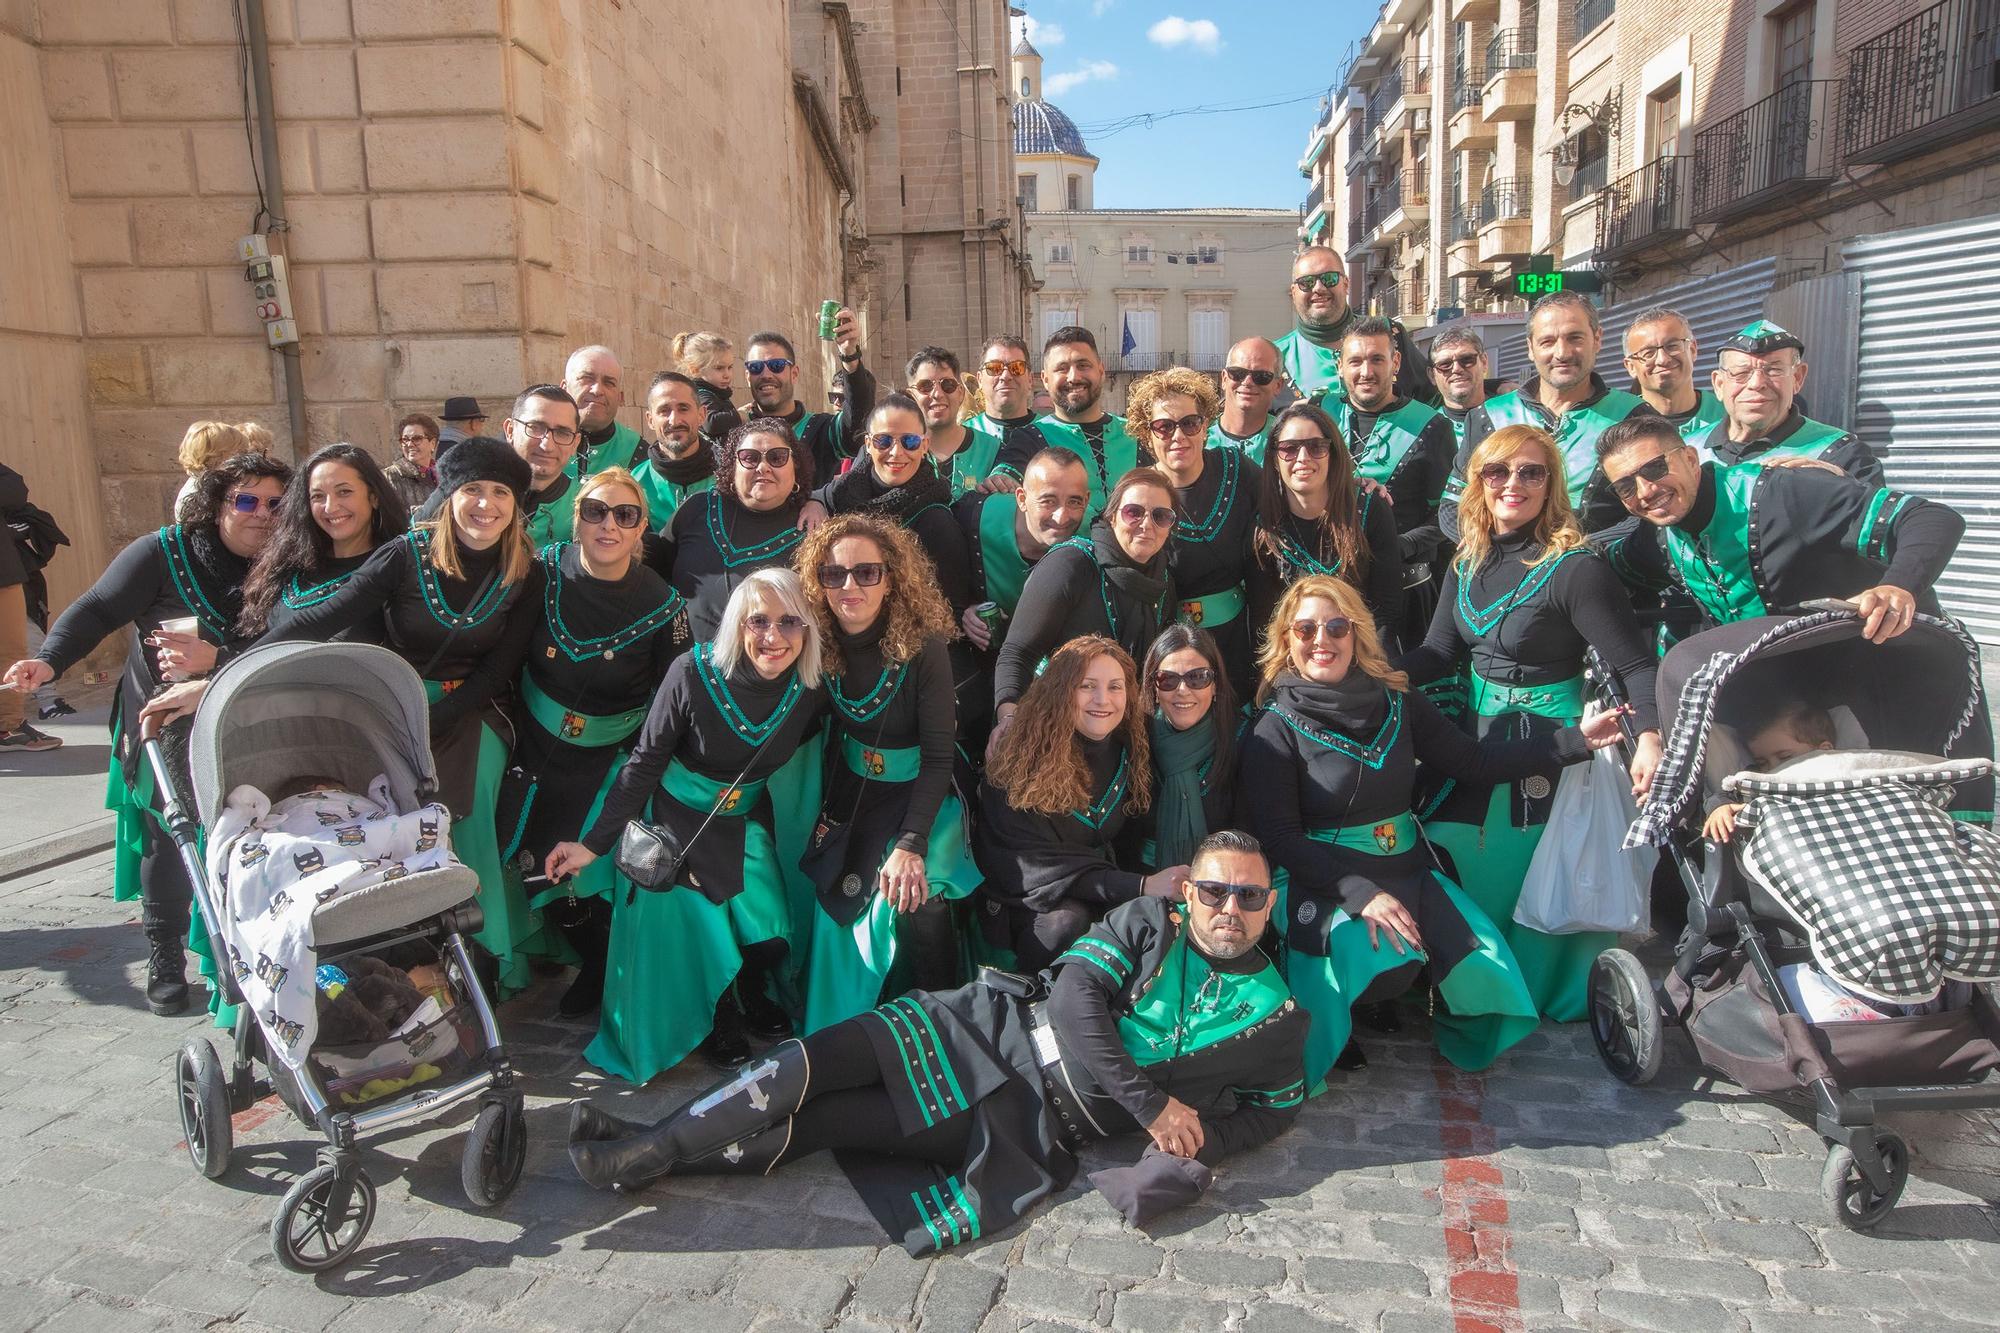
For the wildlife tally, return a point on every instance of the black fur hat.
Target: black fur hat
(484, 458)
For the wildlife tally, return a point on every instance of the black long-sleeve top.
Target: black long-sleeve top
(473, 629)
(1071, 592)
(1211, 543)
(1304, 553)
(834, 437)
(685, 724)
(723, 416)
(922, 507)
(1246, 1085)
(1334, 756)
(1417, 481)
(1518, 625)
(1038, 861)
(921, 711)
(13, 496)
(717, 543)
(602, 646)
(302, 592)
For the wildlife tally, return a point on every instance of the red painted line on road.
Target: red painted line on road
(1485, 1291)
(74, 953)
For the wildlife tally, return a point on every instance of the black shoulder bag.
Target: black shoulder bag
(653, 857)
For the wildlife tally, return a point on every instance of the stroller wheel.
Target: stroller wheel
(324, 1216)
(1625, 1017)
(495, 1152)
(203, 1094)
(1854, 1201)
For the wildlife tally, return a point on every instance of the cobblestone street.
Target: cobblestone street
(1540, 1195)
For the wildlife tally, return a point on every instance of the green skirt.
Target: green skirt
(672, 955)
(1492, 861)
(796, 791)
(850, 967)
(599, 879)
(513, 929)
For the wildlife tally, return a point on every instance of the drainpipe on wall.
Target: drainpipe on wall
(274, 196)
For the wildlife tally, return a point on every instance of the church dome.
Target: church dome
(1042, 128)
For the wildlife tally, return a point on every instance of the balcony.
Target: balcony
(1467, 128)
(1396, 205)
(1509, 93)
(1415, 94)
(1475, 11)
(1589, 16)
(1504, 225)
(1645, 210)
(1383, 99)
(1315, 199)
(1359, 145)
(1464, 222)
(1768, 153)
(1930, 78)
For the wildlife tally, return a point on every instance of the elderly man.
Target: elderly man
(963, 452)
(1249, 385)
(1758, 375)
(832, 438)
(957, 1111)
(1073, 373)
(677, 461)
(1459, 367)
(597, 382)
(1564, 397)
(463, 418)
(1660, 353)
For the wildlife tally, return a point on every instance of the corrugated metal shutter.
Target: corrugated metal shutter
(1716, 306)
(1826, 313)
(1927, 387)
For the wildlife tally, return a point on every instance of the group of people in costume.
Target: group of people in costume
(1033, 779)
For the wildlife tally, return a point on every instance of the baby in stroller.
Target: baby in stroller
(1796, 729)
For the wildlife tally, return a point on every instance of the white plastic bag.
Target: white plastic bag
(1580, 878)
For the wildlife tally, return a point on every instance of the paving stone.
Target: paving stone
(678, 1316)
(1557, 1258)
(1117, 1256)
(1229, 1269)
(1343, 1277)
(298, 1306)
(1778, 1241)
(1703, 1277)
(957, 1297)
(1278, 1317)
(209, 1292)
(1666, 1314)
(1166, 1312)
(1369, 1197)
(565, 1303)
(1045, 1291)
(1828, 1289)
(888, 1289)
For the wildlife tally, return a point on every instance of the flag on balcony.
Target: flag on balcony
(1128, 344)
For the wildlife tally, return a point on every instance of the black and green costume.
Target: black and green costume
(1299, 546)
(1576, 433)
(921, 506)
(831, 437)
(1107, 449)
(717, 543)
(1696, 423)
(998, 570)
(1212, 556)
(668, 482)
(302, 592)
(551, 512)
(972, 462)
(1194, 788)
(1086, 585)
(616, 445)
(1312, 360)
(1252, 446)
(1797, 436)
(1408, 447)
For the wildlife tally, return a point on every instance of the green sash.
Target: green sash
(1715, 564)
(1188, 1005)
(664, 498)
(586, 730)
(1561, 700)
(973, 463)
(1810, 440)
(1121, 455)
(1378, 456)
(618, 451)
(1388, 837)
(1000, 551)
(704, 794)
(554, 520)
(1218, 608)
(884, 763)
(1575, 431)
(1708, 414)
(1251, 447)
(1311, 366)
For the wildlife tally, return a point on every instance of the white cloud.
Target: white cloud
(1097, 7)
(1173, 31)
(1039, 33)
(1058, 84)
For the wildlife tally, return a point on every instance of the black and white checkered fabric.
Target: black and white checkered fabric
(1895, 894)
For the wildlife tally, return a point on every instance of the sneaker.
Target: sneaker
(60, 708)
(26, 737)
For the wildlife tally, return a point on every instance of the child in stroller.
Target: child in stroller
(1794, 730)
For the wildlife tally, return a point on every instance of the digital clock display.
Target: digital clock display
(1538, 284)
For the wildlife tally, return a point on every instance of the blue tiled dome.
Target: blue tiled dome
(1041, 128)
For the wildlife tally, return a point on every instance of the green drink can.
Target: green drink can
(991, 613)
(829, 311)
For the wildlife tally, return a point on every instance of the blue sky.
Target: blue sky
(1106, 61)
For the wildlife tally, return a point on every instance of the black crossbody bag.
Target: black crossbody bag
(652, 855)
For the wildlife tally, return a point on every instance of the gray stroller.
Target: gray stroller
(348, 712)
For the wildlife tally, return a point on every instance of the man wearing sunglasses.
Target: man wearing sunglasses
(1073, 373)
(1564, 397)
(1746, 540)
(597, 382)
(830, 437)
(1250, 379)
(678, 462)
(1007, 390)
(1660, 353)
(1459, 367)
(1758, 375)
(964, 453)
(1311, 351)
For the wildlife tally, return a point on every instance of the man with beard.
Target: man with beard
(1311, 351)
(956, 1111)
(1758, 375)
(1564, 397)
(963, 452)
(1249, 384)
(830, 437)
(1459, 367)
(678, 462)
(1660, 352)
(1073, 373)
(542, 430)
(597, 382)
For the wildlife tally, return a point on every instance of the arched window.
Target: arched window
(1024, 87)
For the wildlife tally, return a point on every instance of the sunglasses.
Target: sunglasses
(1134, 515)
(1653, 471)
(864, 576)
(776, 365)
(1166, 682)
(939, 386)
(1260, 378)
(751, 459)
(760, 624)
(1466, 362)
(1309, 631)
(596, 511)
(1313, 448)
(1328, 281)
(1165, 428)
(1217, 893)
(999, 368)
(245, 503)
(1532, 475)
(885, 443)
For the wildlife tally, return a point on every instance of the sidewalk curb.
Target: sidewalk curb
(68, 845)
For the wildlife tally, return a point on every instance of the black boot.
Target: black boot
(763, 1016)
(1351, 1057)
(1380, 1016)
(725, 1046)
(588, 1123)
(166, 960)
(591, 938)
(752, 1156)
(764, 1093)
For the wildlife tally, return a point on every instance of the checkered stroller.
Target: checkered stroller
(1854, 867)
(347, 712)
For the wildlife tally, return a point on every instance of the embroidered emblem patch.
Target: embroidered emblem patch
(1191, 613)
(1386, 837)
(1536, 788)
(872, 761)
(731, 799)
(1308, 912)
(850, 885)
(572, 726)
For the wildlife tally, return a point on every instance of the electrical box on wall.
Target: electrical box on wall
(269, 289)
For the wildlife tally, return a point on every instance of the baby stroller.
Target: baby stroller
(347, 712)
(1917, 694)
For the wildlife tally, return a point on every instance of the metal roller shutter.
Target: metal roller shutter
(1927, 388)
(1716, 306)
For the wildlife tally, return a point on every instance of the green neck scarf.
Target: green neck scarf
(1182, 760)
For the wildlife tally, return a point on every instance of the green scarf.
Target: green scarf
(1181, 758)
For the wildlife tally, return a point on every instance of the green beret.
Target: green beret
(1763, 336)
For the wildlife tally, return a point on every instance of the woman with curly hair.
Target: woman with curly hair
(1192, 723)
(748, 522)
(898, 481)
(890, 853)
(337, 509)
(1169, 413)
(1526, 599)
(1314, 518)
(1325, 783)
(1058, 790)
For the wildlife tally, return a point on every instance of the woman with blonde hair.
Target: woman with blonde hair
(1059, 786)
(205, 445)
(709, 359)
(894, 854)
(1522, 605)
(1325, 783)
(691, 963)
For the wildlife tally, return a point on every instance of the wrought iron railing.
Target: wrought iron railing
(1510, 48)
(1588, 14)
(1778, 148)
(1315, 197)
(1590, 176)
(1357, 227)
(1402, 189)
(1928, 76)
(1648, 206)
(1417, 74)
(1465, 220)
(1206, 360)
(1465, 88)
(1506, 200)
(1385, 95)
